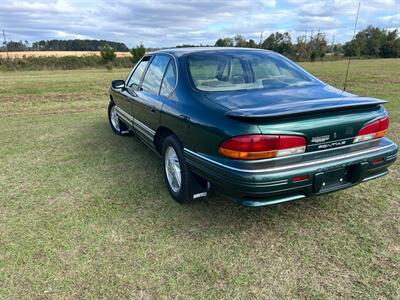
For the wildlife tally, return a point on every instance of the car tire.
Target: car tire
(117, 126)
(174, 159)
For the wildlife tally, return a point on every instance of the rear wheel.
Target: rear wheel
(116, 125)
(182, 184)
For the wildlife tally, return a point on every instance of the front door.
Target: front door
(149, 101)
(146, 100)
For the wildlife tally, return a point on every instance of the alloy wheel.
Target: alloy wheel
(114, 118)
(173, 169)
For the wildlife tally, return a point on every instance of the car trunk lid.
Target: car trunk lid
(326, 122)
(289, 109)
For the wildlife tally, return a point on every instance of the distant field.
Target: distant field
(85, 213)
(20, 54)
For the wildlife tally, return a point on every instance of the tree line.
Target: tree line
(64, 45)
(370, 42)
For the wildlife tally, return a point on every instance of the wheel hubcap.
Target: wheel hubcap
(114, 118)
(173, 169)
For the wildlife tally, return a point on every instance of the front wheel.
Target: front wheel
(116, 125)
(183, 185)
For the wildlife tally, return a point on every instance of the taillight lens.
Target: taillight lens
(260, 146)
(374, 130)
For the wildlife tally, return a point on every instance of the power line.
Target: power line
(5, 42)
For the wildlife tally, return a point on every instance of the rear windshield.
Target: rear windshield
(244, 70)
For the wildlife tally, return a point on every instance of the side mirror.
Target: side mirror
(118, 84)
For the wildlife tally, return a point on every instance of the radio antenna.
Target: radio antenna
(348, 63)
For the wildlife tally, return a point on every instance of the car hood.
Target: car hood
(251, 99)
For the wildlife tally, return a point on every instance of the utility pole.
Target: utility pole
(333, 44)
(261, 36)
(5, 42)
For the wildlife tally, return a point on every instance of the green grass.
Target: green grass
(85, 213)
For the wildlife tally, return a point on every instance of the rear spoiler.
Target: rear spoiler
(303, 107)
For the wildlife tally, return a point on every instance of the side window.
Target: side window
(169, 80)
(154, 75)
(134, 81)
(236, 68)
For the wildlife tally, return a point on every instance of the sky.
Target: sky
(163, 23)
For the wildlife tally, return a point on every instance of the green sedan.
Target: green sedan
(251, 124)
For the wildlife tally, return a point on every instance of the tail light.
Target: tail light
(260, 146)
(374, 130)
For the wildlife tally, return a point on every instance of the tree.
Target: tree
(337, 49)
(107, 53)
(318, 46)
(391, 46)
(373, 41)
(252, 44)
(352, 48)
(224, 42)
(240, 41)
(138, 52)
(279, 42)
(301, 49)
(16, 46)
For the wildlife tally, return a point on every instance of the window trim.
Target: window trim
(147, 69)
(162, 80)
(151, 57)
(136, 66)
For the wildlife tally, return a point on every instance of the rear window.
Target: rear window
(229, 71)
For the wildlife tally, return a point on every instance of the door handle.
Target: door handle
(153, 109)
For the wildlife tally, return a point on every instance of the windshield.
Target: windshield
(244, 70)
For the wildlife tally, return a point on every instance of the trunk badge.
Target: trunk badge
(320, 139)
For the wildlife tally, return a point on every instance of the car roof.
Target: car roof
(182, 51)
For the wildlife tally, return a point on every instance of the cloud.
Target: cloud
(393, 21)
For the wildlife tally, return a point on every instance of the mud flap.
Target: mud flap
(199, 187)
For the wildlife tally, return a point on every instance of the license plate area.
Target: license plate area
(332, 180)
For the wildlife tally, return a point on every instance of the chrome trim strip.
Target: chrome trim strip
(146, 134)
(257, 203)
(137, 125)
(124, 113)
(143, 127)
(124, 119)
(375, 176)
(272, 183)
(289, 167)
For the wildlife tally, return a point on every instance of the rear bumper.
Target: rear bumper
(256, 183)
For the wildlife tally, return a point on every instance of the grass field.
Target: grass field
(21, 54)
(85, 213)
